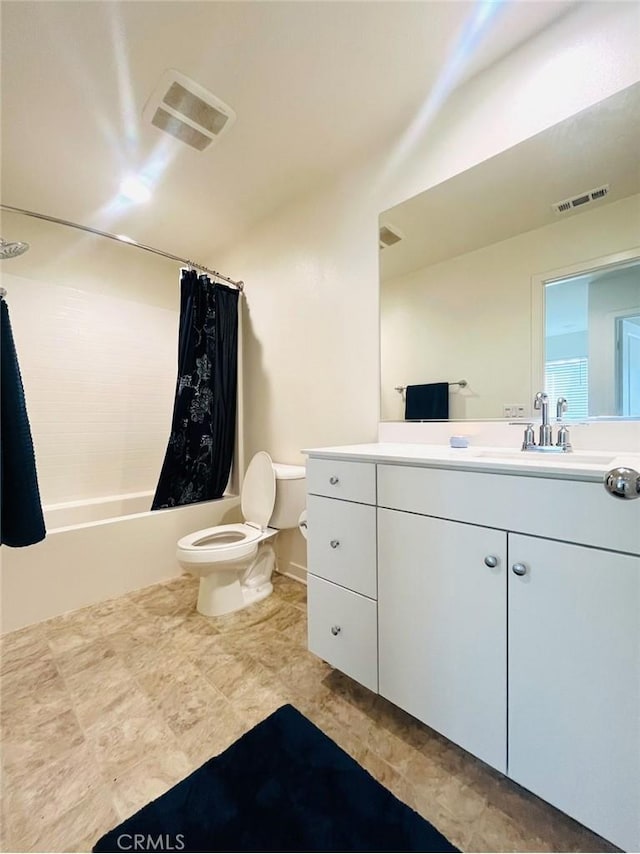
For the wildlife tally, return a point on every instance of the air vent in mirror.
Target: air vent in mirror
(582, 199)
(388, 236)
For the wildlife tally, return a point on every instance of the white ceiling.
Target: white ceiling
(314, 84)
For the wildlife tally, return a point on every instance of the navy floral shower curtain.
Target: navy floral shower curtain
(198, 459)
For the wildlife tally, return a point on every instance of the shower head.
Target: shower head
(11, 250)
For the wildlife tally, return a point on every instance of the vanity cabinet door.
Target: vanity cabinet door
(442, 627)
(574, 682)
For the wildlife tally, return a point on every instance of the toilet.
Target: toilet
(235, 562)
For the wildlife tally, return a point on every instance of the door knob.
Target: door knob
(335, 630)
(491, 560)
(334, 544)
(519, 569)
(622, 483)
(333, 480)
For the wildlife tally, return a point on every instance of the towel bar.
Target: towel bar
(462, 383)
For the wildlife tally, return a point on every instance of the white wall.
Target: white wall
(311, 337)
(469, 317)
(96, 336)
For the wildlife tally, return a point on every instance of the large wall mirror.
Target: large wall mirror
(519, 275)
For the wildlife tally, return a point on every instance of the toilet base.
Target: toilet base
(225, 591)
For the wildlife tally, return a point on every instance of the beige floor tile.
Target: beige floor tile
(231, 674)
(184, 588)
(32, 707)
(211, 736)
(20, 637)
(148, 779)
(70, 631)
(183, 705)
(108, 707)
(113, 615)
(28, 747)
(330, 726)
(150, 657)
(117, 745)
(97, 653)
(291, 591)
(130, 640)
(38, 797)
(157, 601)
(29, 648)
(31, 677)
(89, 818)
(286, 618)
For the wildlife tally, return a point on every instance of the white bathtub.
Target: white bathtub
(97, 549)
(74, 513)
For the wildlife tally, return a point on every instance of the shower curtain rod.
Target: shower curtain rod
(127, 240)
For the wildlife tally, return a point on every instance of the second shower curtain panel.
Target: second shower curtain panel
(199, 454)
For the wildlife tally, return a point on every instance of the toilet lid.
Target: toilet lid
(259, 490)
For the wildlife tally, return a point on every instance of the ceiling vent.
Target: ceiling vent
(388, 236)
(583, 199)
(187, 111)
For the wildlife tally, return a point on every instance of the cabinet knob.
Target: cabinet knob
(335, 630)
(491, 560)
(333, 480)
(622, 482)
(334, 544)
(519, 569)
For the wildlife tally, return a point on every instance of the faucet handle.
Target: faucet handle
(529, 438)
(564, 441)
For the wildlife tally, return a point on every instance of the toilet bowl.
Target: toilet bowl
(235, 562)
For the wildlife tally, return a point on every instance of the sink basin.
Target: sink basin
(549, 457)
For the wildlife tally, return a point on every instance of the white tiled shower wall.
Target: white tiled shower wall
(99, 374)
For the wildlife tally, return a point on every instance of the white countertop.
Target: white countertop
(578, 465)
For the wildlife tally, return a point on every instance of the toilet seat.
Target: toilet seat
(218, 544)
(229, 543)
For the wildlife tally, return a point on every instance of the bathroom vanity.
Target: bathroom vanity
(495, 596)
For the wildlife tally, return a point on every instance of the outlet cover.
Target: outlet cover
(513, 410)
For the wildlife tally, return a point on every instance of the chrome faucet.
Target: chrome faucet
(542, 402)
(563, 444)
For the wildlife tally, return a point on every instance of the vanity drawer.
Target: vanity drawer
(341, 543)
(343, 628)
(573, 511)
(340, 479)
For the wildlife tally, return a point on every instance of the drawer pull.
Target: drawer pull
(333, 480)
(519, 569)
(334, 544)
(335, 630)
(491, 560)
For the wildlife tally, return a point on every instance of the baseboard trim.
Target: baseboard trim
(294, 571)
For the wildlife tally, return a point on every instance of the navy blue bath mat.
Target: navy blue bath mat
(283, 786)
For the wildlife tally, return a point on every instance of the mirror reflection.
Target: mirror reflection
(592, 341)
(519, 275)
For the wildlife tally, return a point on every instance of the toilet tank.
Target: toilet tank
(291, 496)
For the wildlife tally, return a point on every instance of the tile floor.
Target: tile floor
(105, 708)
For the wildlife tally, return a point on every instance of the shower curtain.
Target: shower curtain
(199, 454)
(21, 520)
